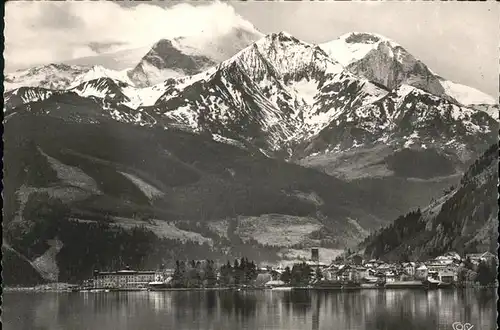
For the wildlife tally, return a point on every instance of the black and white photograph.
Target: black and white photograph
(257, 165)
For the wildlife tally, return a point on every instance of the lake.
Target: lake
(298, 309)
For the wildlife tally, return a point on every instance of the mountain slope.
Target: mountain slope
(17, 270)
(466, 94)
(288, 99)
(51, 76)
(94, 144)
(59, 77)
(383, 61)
(24, 95)
(465, 219)
(408, 117)
(107, 175)
(277, 90)
(184, 56)
(165, 61)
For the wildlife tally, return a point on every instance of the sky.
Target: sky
(458, 40)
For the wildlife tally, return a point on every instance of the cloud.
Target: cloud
(39, 32)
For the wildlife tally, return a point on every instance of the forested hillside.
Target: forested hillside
(465, 219)
(82, 196)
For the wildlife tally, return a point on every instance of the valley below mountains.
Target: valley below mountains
(247, 145)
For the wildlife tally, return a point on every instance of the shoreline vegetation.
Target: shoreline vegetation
(66, 287)
(242, 275)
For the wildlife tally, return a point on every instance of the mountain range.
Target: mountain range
(317, 144)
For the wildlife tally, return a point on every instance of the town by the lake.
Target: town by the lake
(449, 270)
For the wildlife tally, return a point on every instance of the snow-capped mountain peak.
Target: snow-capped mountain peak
(51, 76)
(98, 71)
(382, 60)
(189, 55)
(289, 55)
(353, 46)
(281, 91)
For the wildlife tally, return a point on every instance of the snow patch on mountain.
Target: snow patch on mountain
(185, 117)
(465, 94)
(280, 92)
(26, 95)
(307, 90)
(353, 46)
(222, 139)
(491, 110)
(147, 189)
(98, 71)
(51, 76)
(381, 60)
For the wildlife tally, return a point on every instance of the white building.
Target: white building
(421, 272)
(124, 279)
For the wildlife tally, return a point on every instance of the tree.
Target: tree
(226, 273)
(319, 274)
(468, 263)
(301, 274)
(462, 275)
(287, 275)
(210, 275)
(179, 278)
(237, 272)
(485, 274)
(44, 216)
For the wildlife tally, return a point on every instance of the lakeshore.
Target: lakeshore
(64, 287)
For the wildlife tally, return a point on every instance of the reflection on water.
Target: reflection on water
(298, 309)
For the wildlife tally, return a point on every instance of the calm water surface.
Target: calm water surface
(301, 310)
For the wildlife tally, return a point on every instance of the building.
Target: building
(124, 279)
(315, 254)
(373, 263)
(262, 279)
(347, 273)
(436, 267)
(409, 268)
(319, 264)
(421, 272)
(447, 276)
(362, 272)
(451, 255)
(276, 273)
(390, 276)
(476, 258)
(330, 272)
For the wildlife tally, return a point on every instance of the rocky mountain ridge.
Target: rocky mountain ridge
(284, 96)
